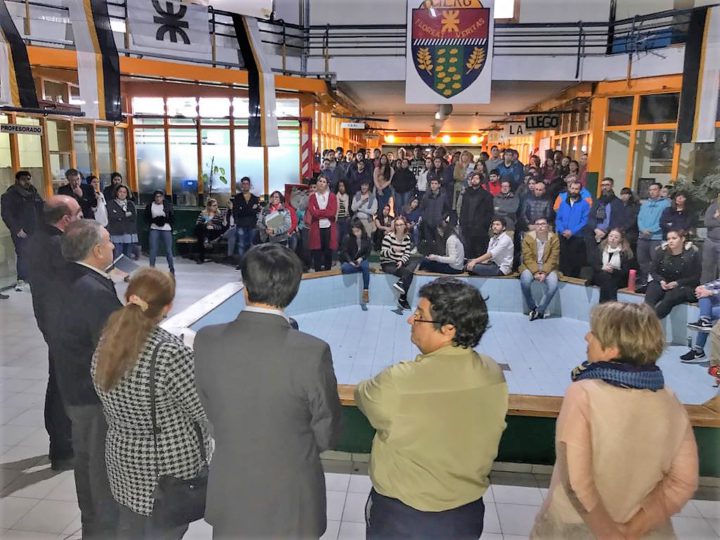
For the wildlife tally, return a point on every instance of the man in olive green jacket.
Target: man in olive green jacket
(438, 419)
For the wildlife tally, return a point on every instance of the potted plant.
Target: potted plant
(214, 171)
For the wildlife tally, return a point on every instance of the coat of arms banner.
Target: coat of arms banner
(449, 51)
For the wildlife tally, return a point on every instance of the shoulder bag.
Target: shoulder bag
(177, 501)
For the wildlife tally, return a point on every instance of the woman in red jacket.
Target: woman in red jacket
(322, 209)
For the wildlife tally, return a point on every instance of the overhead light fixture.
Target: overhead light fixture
(437, 116)
(474, 139)
(446, 139)
(390, 138)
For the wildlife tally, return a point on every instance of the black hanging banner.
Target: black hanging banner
(16, 81)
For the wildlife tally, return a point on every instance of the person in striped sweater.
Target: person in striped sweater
(395, 258)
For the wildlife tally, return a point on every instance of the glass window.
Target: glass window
(620, 111)
(249, 162)
(83, 156)
(214, 107)
(150, 153)
(241, 107)
(7, 178)
(55, 91)
(30, 150)
(104, 157)
(58, 134)
(617, 145)
(504, 9)
(184, 166)
(184, 107)
(653, 157)
(120, 152)
(284, 161)
(287, 107)
(75, 95)
(659, 108)
(148, 105)
(699, 161)
(216, 157)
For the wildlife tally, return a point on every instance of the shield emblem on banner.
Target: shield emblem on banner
(450, 46)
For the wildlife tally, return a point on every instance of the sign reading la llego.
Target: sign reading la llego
(449, 51)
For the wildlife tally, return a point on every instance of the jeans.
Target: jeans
(438, 267)
(488, 270)
(232, 240)
(98, 509)
(406, 272)
(364, 267)
(343, 229)
(663, 301)
(710, 308)
(388, 518)
(646, 255)
(21, 264)
(133, 526)
(244, 239)
(550, 286)
(401, 201)
(710, 260)
(157, 236)
(123, 249)
(384, 199)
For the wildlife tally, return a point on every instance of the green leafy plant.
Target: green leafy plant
(214, 172)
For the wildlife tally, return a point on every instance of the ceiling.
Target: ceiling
(387, 100)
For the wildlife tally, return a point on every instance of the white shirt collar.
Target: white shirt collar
(102, 273)
(267, 311)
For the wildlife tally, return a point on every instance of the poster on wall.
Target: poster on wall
(448, 56)
(169, 24)
(663, 143)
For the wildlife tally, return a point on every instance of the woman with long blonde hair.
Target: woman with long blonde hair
(131, 349)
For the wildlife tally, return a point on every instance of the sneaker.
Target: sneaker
(532, 314)
(714, 371)
(20, 285)
(403, 303)
(703, 324)
(365, 296)
(693, 356)
(398, 286)
(535, 315)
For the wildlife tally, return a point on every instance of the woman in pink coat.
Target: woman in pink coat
(322, 211)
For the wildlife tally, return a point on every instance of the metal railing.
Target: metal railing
(577, 39)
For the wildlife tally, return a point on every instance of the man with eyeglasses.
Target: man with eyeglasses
(541, 260)
(439, 420)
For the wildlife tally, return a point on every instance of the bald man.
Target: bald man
(46, 270)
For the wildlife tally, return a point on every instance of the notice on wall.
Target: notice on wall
(169, 24)
(449, 51)
(19, 129)
(514, 129)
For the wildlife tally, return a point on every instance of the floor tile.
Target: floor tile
(517, 495)
(491, 521)
(30, 535)
(64, 491)
(31, 417)
(332, 531)
(48, 517)
(360, 483)
(707, 509)
(36, 484)
(491, 536)
(199, 530)
(355, 508)
(336, 482)
(516, 518)
(692, 528)
(352, 531)
(335, 504)
(14, 508)
(21, 457)
(12, 435)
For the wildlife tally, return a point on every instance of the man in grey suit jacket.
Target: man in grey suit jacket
(271, 395)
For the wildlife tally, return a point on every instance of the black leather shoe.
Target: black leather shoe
(62, 464)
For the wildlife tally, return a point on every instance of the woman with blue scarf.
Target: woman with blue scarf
(626, 458)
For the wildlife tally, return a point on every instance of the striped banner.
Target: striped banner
(450, 42)
(306, 149)
(701, 78)
(262, 122)
(17, 87)
(97, 56)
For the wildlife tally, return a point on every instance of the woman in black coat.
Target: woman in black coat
(675, 273)
(611, 262)
(678, 215)
(354, 255)
(122, 222)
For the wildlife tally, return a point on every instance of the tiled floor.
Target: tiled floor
(37, 503)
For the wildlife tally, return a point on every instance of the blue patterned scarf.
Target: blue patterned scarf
(621, 374)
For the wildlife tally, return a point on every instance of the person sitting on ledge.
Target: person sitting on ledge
(540, 255)
(618, 400)
(354, 255)
(675, 274)
(395, 258)
(208, 227)
(364, 207)
(708, 296)
(611, 262)
(499, 258)
(454, 260)
(438, 419)
(274, 221)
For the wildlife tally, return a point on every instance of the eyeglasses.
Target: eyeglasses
(417, 318)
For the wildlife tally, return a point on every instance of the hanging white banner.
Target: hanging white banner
(449, 51)
(260, 9)
(169, 24)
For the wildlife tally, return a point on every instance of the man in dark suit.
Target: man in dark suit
(82, 193)
(46, 267)
(274, 407)
(88, 300)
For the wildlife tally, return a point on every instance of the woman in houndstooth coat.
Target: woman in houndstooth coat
(121, 373)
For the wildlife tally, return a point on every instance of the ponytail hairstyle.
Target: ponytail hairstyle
(127, 330)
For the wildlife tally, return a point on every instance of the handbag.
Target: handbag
(177, 501)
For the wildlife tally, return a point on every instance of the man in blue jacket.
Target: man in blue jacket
(650, 232)
(511, 169)
(572, 217)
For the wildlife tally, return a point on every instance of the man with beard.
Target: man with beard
(21, 207)
(537, 205)
(476, 212)
(403, 183)
(511, 169)
(82, 193)
(607, 214)
(571, 220)
(359, 174)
